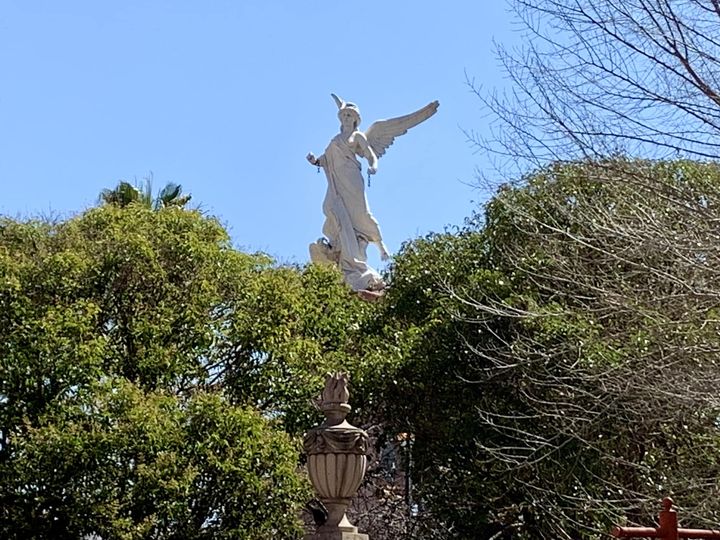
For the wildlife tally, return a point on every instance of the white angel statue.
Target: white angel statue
(349, 226)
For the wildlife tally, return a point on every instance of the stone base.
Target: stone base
(339, 535)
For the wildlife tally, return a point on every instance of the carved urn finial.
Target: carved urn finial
(334, 399)
(337, 460)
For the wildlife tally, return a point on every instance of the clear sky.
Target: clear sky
(226, 97)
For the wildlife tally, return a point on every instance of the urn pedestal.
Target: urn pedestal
(337, 461)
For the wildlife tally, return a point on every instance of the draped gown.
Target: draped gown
(349, 226)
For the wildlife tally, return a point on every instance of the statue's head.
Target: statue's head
(353, 110)
(346, 107)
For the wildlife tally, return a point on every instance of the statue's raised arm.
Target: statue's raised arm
(349, 226)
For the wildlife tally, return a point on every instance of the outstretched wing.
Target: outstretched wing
(381, 134)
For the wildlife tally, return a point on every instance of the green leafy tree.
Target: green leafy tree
(117, 462)
(564, 370)
(154, 380)
(608, 265)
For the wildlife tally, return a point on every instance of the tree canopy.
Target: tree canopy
(153, 379)
(551, 366)
(565, 366)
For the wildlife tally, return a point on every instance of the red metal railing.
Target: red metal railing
(668, 529)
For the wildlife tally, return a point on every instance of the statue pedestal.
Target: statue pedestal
(338, 535)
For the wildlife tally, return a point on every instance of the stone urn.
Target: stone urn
(337, 460)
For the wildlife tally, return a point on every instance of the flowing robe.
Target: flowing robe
(349, 226)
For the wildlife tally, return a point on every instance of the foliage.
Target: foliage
(125, 193)
(564, 369)
(137, 336)
(551, 363)
(608, 342)
(116, 462)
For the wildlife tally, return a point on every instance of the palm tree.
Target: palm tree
(171, 195)
(125, 194)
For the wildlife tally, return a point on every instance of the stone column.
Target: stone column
(337, 460)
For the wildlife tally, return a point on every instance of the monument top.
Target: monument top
(349, 226)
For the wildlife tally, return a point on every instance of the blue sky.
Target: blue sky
(227, 97)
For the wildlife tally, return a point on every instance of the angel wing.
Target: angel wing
(381, 134)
